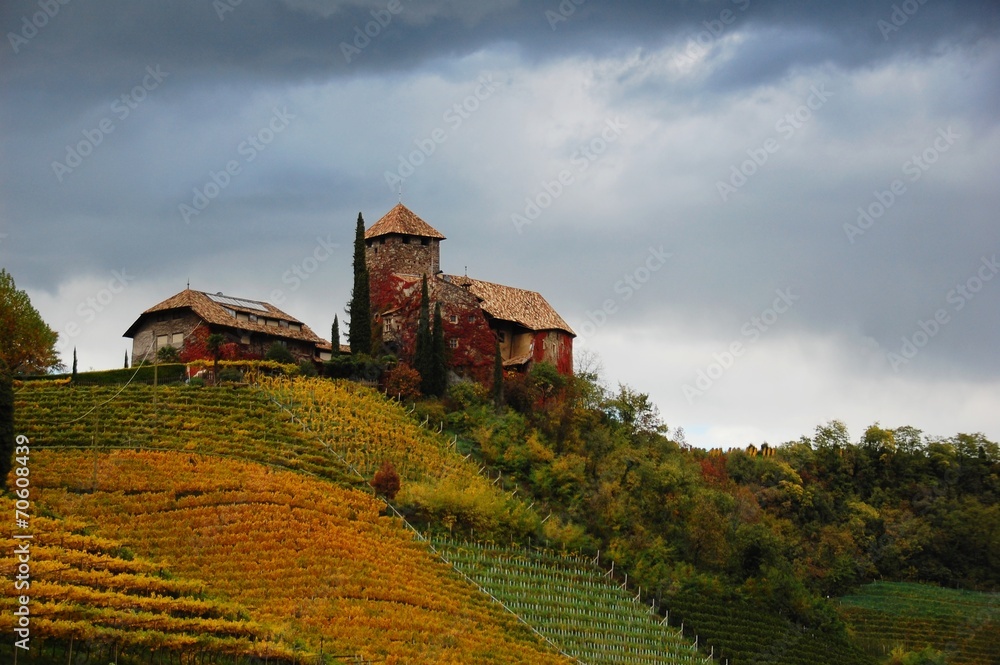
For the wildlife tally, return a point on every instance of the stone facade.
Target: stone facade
(406, 254)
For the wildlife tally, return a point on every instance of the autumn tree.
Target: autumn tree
(386, 481)
(27, 343)
(360, 307)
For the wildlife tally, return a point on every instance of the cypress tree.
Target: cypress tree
(360, 330)
(335, 335)
(7, 438)
(74, 363)
(423, 350)
(439, 364)
(497, 378)
(126, 359)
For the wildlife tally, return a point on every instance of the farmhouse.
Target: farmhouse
(251, 325)
(401, 248)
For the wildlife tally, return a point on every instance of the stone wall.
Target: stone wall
(403, 254)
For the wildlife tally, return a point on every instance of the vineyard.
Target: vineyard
(440, 487)
(965, 625)
(94, 594)
(316, 564)
(227, 421)
(573, 603)
(740, 633)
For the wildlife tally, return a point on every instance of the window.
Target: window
(283, 323)
(453, 343)
(162, 341)
(271, 323)
(177, 340)
(245, 339)
(453, 318)
(501, 336)
(472, 318)
(294, 326)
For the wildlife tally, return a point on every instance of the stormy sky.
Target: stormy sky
(766, 215)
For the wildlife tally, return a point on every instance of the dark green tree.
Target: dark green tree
(497, 378)
(439, 356)
(7, 438)
(126, 359)
(423, 353)
(335, 335)
(360, 307)
(74, 363)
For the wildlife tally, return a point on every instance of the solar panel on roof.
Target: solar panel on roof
(236, 302)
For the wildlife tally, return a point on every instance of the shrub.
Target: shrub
(386, 481)
(403, 381)
(230, 374)
(307, 368)
(279, 353)
(168, 354)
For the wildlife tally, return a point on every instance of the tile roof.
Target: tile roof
(402, 220)
(508, 303)
(215, 313)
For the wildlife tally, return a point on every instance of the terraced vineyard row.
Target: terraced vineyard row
(317, 565)
(573, 604)
(963, 624)
(92, 592)
(742, 634)
(232, 421)
(367, 429)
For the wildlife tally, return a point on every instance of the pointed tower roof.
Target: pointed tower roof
(403, 221)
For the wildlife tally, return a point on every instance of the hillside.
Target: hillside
(96, 592)
(574, 603)
(964, 625)
(314, 563)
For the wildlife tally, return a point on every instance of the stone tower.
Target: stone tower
(403, 243)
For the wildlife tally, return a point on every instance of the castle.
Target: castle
(401, 248)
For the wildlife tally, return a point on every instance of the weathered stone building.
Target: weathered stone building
(253, 326)
(402, 248)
